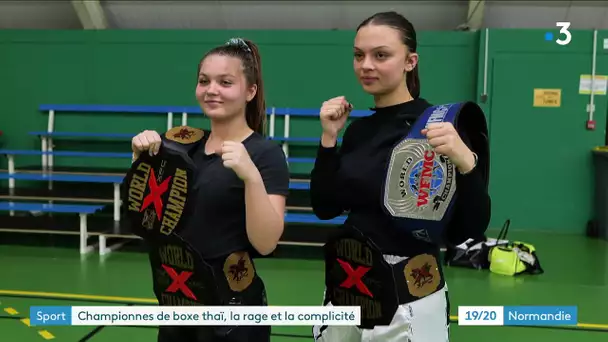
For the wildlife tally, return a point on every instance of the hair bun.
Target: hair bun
(239, 42)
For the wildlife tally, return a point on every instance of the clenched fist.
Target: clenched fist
(235, 157)
(445, 140)
(145, 141)
(333, 115)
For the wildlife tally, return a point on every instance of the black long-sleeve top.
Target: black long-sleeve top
(350, 178)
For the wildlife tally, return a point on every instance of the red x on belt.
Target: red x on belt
(179, 282)
(155, 192)
(354, 277)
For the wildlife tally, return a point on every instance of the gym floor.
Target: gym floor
(576, 273)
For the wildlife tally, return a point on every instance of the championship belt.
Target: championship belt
(420, 184)
(356, 274)
(159, 195)
(158, 190)
(180, 276)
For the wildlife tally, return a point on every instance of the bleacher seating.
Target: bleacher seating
(83, 210)
(47, 153)
(293, 218)
(115, 180)
(10, 154)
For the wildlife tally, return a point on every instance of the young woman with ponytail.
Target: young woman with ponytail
(394, 277)
(242, 182)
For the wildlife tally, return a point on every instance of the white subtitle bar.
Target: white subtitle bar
(194, 315)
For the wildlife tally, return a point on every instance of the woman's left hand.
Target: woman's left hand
(235, 157)
(445, 140)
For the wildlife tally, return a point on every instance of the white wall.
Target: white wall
(426, 15)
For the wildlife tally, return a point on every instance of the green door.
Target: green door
(541, 168)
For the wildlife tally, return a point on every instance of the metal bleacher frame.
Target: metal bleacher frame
(47, 161)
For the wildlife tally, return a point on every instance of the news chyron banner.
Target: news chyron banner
(282, 315)
(518, 315)
(193, 315)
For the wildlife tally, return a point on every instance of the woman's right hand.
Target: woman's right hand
(333, 115)
(146, 141)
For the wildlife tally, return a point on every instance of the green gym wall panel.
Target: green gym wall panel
(301, 70)
(541, 166)
(541, 174)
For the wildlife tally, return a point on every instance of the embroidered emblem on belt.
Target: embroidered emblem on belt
(422, 275)
(239, 271)
(184, 134)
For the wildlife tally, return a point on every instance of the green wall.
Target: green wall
(542, 175)
(541, 166)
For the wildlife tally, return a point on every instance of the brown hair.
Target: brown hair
(248, 53)
(408, 36)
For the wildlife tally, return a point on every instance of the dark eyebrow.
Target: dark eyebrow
(376, 48)
(222, 75)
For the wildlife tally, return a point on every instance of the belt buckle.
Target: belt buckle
(419, 182)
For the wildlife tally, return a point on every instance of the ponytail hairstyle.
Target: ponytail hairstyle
(408, 37)
(248, 53)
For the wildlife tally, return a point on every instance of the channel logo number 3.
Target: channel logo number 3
(564, 26)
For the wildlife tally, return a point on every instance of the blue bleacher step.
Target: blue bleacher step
(111, 155)
(90, 209)
(63, 177)
(131, 135)
(301, 160)
(69, 153)
(299, 139)
(101, 108)
(58, 177)
(314, 112)
(50, 208)
(311, 218)
(83, 134)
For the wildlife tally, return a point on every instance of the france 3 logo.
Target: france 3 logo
(564, 37)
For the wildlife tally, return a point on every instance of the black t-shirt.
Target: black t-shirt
(350, 178)
(218, 224)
